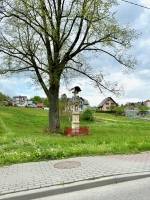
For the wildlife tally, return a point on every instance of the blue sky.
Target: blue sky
(136, 83)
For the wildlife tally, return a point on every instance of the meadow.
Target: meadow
(23, 136)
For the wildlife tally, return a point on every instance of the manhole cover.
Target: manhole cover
(67, 164)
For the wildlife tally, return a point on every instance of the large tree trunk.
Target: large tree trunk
(54, 123)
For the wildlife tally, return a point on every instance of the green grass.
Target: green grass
(23, 139)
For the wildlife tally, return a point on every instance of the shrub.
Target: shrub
(119, 110)
(87, 115)
(106, 111)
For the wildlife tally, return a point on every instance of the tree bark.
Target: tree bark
(54, 122)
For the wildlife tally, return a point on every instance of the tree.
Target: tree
(63, 98)
(87, 115)
(36, 99)
(3, 97)
(62, 103)
(46, 102)
(119, 109)
(48, 40)
(112, 107)
(143, 107)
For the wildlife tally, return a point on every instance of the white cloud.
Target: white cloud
(136, 83)
(145, 3)
(145, 72)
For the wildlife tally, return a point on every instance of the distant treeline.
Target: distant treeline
(38, 99)
(3, 96)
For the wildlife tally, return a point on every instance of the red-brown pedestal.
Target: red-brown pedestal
(82, 130)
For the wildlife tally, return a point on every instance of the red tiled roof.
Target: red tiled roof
(147, 100)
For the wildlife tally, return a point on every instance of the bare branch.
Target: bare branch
(97, 80)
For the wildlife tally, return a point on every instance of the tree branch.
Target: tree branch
(96, 79)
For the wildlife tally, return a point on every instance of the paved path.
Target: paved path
(51, 175)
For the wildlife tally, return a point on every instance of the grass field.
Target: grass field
(23, 139)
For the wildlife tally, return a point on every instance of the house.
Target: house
(132, 105)
(147, 103)
(39, 105)
(106, 104)
(19, 101)
(135, 105)
(83, 104)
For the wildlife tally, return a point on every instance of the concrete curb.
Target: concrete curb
(61, 189)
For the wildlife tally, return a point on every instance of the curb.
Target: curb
(61, 189)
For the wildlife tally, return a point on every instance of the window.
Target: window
(107, 103)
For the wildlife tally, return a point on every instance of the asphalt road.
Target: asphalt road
(131, 190)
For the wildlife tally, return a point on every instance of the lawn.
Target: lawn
(23, 137)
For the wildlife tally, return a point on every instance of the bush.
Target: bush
(119, 110)
(106, 111)
(87, 115)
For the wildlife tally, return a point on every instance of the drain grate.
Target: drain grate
(67, 164)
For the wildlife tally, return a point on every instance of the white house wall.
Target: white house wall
(107, 105)
(148, 104)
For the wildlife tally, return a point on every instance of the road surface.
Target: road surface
(131, 190)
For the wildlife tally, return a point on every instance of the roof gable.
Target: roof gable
(79, 99)
(20, 97)
(147, 100)
(105, 100)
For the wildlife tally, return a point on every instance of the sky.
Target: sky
(136, 82)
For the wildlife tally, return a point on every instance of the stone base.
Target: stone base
(75, 125)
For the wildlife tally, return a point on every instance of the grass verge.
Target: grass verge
(22, 136)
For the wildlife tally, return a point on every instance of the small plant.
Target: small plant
(87, 115)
